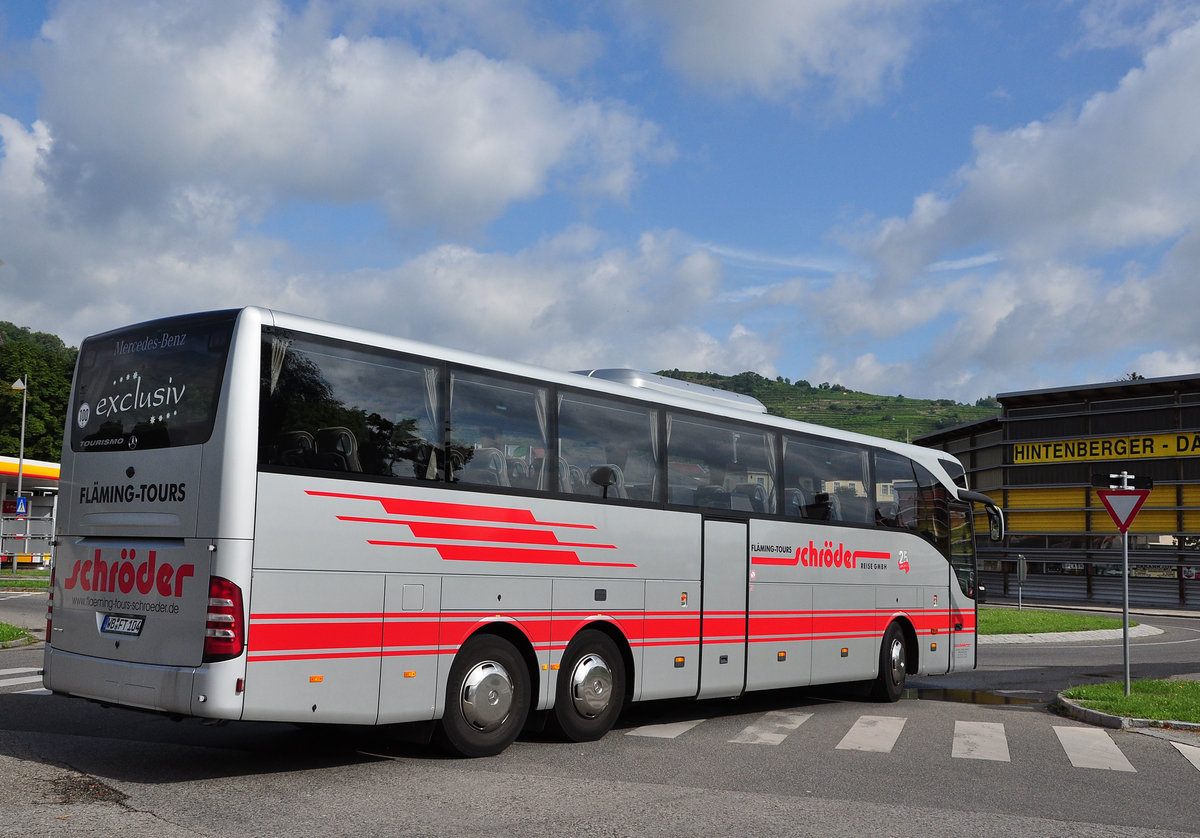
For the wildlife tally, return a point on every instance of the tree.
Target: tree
(48, 364)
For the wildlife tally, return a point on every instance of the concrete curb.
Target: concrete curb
(1074, 710)
(1141, 630)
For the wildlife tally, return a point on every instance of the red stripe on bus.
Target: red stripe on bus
(306, 656)
(300, 636)
(457, 511)
(318, 615)
(507, 555)
(468, 532)
(276, 637)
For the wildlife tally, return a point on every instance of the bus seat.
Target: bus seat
(296, 448)
(539, 479)
(713, 497)
(518, 473)
(574, 474)
(794, 503)
(750, 497)
(337, 449)
(479, 476)
(824, 507)
(489, 459)
(617, 489)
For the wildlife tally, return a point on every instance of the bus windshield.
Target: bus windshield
(154, 385)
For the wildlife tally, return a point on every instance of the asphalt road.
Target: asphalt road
(785, 763)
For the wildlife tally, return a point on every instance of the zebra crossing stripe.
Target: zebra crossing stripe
(772, 729)
(669, 730)
(1092, 748)
(877, 734)
(1190, 752)
(25, 675)
(980, 740)
(16, 682)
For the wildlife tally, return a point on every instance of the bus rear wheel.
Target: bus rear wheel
(893, 665)
(487, 698)
(591, 687)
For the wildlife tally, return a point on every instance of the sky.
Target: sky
(934, 198)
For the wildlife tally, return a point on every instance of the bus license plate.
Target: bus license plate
(116, 624)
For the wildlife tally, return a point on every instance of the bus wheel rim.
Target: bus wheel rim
(487, 696)
(591, 685)
(897, 660)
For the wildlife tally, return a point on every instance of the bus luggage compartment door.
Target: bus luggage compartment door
(723, 599)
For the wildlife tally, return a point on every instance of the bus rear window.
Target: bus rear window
(154, 385)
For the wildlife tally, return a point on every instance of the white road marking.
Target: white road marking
(1190, 752)
(980, 740)
(873, 733)
(772, 728)
(665, 731)
(1089, 747)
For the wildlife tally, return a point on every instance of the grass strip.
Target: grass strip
(1039, 621)
(9, 633)
(1164, 701)
(25, 580)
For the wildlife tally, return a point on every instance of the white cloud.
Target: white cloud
(144, 100)
(776, 48)
(1090, 222)
(864, 372)
(505, 28)
(1139, 23)
(567, 303)
(1124, 171)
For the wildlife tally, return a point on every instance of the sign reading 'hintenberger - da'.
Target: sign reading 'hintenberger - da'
(1141, 446)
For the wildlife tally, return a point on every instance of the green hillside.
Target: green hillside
(891, 417)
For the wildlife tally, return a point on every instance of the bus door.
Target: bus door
(964, 582)
(723, 604)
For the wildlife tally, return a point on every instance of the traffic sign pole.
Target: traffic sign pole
(1123, 503)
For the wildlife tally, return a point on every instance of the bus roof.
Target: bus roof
(675, 386)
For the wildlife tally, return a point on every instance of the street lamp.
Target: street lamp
(22, 385)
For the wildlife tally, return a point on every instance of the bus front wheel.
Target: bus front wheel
(487, 698)
(591, 687)
(893, 665)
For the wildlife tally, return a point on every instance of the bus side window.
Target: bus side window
(831, 479)
(720, 465)
(333, 407)
(498, 431)
(895, 491)
(608, 448)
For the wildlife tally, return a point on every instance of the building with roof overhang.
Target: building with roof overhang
(1039, 460)
(27, 536)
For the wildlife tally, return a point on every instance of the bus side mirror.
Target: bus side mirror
(995, 523)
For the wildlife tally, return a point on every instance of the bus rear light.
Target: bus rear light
(224, 628)
(50, 607)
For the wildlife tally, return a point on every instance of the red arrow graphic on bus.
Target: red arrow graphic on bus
(527, 541)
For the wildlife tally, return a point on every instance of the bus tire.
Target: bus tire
(487, 698)
(591, 687)
(893, 665)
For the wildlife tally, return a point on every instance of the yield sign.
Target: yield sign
(1123, 504)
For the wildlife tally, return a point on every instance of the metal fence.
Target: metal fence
(1090, 587)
